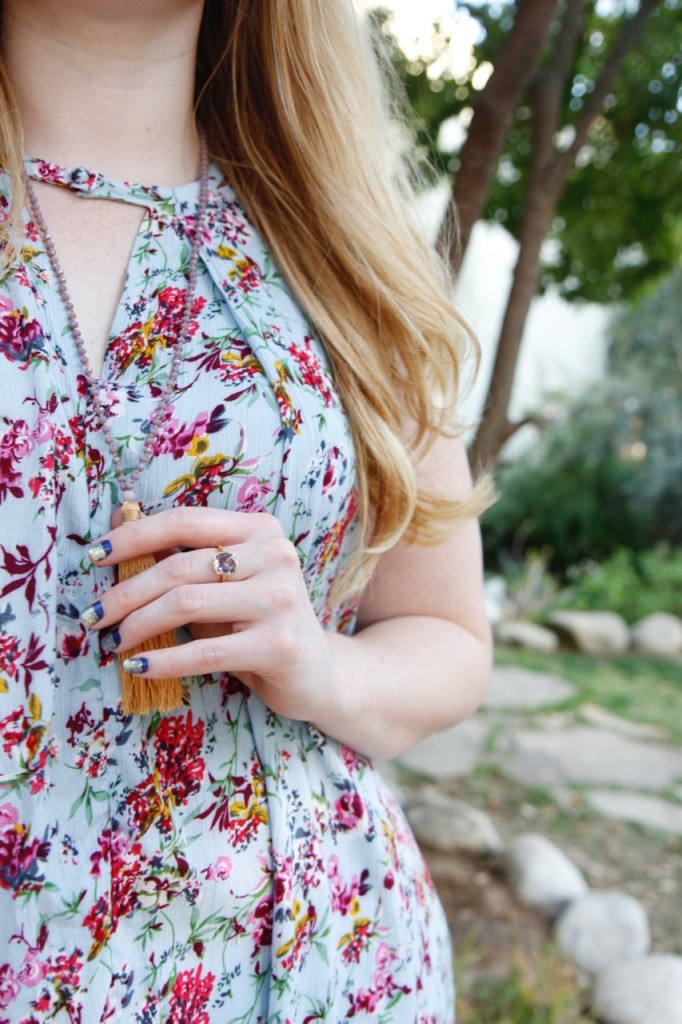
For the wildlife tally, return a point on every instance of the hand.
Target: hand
(258, 625)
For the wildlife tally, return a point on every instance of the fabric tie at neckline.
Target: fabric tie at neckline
(82, 181)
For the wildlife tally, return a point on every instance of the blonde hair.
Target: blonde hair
(295, 111)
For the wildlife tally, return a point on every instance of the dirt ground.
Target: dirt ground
(483, 914)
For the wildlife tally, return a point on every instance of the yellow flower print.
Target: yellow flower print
(199, 445)
(28, 253)
(254, 809)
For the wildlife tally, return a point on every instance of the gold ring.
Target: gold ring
(224, 564)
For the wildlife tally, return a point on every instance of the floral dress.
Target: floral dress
(220, 863)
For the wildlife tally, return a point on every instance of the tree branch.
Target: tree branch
(494, 109)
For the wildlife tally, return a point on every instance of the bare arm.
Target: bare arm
(421, 658)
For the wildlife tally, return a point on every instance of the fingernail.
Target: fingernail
(136, 666)
(91, 616)
(99, 551)
(110, 642)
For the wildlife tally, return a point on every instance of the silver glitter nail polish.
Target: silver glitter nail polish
(136, 665)
(99, 551)
(90, 616)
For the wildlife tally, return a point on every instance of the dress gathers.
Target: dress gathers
(220, 863)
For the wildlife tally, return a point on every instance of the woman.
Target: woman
(236, 858)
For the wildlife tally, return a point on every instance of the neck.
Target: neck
(106, 85)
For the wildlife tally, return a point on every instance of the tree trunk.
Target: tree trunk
(494, 109)
(550, 171)
(495, 428)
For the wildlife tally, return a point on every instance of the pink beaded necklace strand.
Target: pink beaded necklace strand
(139, 696)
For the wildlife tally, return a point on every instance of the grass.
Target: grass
(646, 690)
(542, 990)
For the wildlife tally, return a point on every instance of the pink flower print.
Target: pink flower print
(47, 171)
(175, 438)
(383, 986)
(350, 810)
(8, 815)
(19, 440)
(383, 958)
(251, 493)
(10, 986)
(33, 971)
(219, 870)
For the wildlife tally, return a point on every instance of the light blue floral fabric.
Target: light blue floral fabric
(219, 863)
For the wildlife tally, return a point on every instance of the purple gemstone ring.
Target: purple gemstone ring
(224, 564)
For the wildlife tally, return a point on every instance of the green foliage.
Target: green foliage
(633, 584)
(617, 225)
(646, 341)
(568, 494)
(607, 474)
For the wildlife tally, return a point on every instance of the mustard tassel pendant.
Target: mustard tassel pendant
(140, 696)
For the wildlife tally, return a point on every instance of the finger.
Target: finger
(182, 527)
(195, 603)
(236, 652)
(182, 569)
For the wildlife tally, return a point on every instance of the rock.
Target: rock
(659, 634)
(387, 771)
(592, 632)
(650, 811)
(513, 687)
(526, 634)
(445, 824)
(603, 928)
(448, 754)
(540, 874)
(583, 754)
(596, 715)
(646, 991)
(495, 598)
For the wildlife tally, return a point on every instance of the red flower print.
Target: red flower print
(189, 996)
(177, 774)
(19, 337)
(261, 924)
(127, 861)
(19, 856)
(350, 810)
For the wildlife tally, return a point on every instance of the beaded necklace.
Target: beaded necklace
(138, 695)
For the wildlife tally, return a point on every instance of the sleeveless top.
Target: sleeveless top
(221, 862)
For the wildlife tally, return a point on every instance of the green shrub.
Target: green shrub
(631, 583)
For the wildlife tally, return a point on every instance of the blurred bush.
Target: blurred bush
(607, 473)
(629, 583)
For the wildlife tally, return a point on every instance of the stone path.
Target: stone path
(624, 770)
